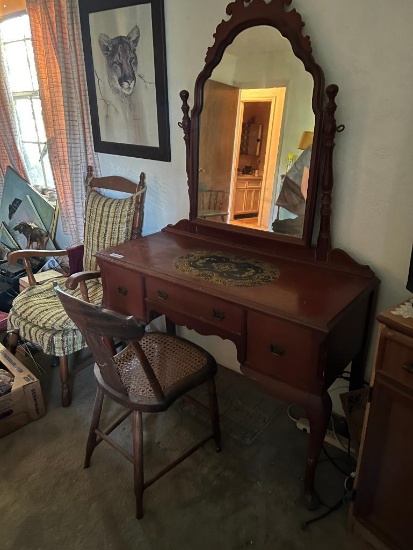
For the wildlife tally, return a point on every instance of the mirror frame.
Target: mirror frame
(245, 14)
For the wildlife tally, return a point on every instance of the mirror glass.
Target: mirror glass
(255, 135)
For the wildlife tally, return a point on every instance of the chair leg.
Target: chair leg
(12, 341)
(94, 425)
(64, 380)
(138, 462)
(214, 413)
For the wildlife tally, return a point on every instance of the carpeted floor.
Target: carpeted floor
(246, 496)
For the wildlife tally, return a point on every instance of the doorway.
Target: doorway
(255, 156)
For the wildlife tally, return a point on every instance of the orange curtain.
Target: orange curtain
(58, 51)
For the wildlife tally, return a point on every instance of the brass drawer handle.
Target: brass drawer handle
(162, 294)
(122, 290)
(408, 367)
(277, 350)
(220, 315)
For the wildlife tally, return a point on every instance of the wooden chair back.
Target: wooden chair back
(100, 328)
(212, 202)
(123, 185)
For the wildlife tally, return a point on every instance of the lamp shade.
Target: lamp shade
(306, 140)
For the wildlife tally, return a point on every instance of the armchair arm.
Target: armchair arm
(25, 254)
(79, 279)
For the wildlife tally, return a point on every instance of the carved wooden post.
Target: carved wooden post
(329, 132)
(186, 127)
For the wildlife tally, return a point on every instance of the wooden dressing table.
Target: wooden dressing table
(294, 335)
(297, 332)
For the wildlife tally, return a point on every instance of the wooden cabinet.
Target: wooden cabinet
(382, 509)
(250, 139)
(247, 195)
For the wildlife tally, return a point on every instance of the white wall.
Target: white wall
(367, 49)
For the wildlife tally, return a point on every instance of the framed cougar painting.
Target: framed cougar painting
(125, 60)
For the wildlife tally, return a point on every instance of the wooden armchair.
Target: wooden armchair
(37, 314)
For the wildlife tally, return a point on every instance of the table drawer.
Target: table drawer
(396, 359)
(123, 291)
(214, 311)
(282, 350)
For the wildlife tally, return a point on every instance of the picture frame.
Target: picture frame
(22, 202)
(6, 239)
(125, 61)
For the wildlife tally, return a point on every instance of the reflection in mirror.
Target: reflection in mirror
(256, 129)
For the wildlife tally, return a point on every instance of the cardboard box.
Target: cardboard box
(25, 401)
(40, 278)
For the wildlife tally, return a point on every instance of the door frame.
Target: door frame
(276, 96)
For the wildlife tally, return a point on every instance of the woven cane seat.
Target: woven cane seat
(172, 359)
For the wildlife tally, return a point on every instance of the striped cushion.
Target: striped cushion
(108, 222)
(39, 316)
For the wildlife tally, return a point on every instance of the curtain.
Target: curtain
(10, 147)
(57, 44)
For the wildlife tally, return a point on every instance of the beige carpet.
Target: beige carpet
(244, 497)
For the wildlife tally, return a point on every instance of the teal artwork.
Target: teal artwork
(21, 203)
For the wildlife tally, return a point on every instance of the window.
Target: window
(19, 59)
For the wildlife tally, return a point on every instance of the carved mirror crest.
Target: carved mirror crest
(259, 140)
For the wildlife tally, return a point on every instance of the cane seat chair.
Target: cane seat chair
(37, 314)
(147, 375)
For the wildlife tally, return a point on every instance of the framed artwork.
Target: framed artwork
(125, 61)
(16, 190)
(6, 240)
(4, 251)
(22, 204)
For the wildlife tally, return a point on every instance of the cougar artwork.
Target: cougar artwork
(121, 61)
(120, 93)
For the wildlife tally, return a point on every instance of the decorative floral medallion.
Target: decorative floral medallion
(405, 310)
(227, 269)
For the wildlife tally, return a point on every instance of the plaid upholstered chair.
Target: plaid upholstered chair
(37, 314)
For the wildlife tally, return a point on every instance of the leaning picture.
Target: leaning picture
(124, 47)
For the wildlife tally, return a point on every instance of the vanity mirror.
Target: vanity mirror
(260, 137)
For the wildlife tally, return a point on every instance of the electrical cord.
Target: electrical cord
(348, 475)
(290, 416)
(333, 461)
(348, 491)
(333, 428)
(329, 511)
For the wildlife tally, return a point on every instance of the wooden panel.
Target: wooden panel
(227, 316)
(396, 359)
(281, 350)
(239, 201)
(254, 184)
(217, 135)
(123, 291)
(385, 481)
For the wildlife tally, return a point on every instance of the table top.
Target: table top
(308, 293)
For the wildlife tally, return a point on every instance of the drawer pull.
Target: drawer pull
(220, 315)
(408, 367)
(122, 290)
(162, 294)
(277, 350)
